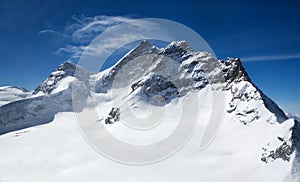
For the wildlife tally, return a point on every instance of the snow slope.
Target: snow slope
(255, 140)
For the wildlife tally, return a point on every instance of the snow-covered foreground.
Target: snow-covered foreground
(58, 152)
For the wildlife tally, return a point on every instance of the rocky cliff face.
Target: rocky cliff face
(190, 70)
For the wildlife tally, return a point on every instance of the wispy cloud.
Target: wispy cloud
(53, 32)
(270, 57)
(86, 28)
(73, 51)
(81, 30)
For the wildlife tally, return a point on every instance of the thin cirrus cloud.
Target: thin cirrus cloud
(85, 29)
(270, 57)
(55, 33)
(74, 51)
(81, 30)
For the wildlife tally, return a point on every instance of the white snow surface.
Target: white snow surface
(58, 152)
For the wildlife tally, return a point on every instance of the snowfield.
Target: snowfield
(58, 152)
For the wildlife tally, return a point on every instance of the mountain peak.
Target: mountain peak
(177, 46)
(237, 71)
(181, 43)
(67, 66)
(142, 47)
(62, 71)
(68, 63)
(144, 43)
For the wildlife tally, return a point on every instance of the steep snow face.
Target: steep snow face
(255, 142)
(10, 94)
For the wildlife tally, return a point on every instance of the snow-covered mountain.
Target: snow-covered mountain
(256, 141)
(39, 107)
(10, 94)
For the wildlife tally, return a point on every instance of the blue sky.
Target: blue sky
(265, 34)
